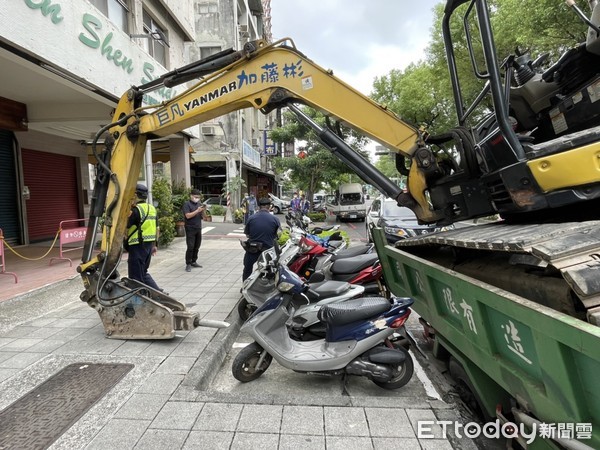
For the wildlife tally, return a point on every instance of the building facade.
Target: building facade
(236, 145)
(65, 63)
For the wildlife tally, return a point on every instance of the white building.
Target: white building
(241, 135)
(65, 63)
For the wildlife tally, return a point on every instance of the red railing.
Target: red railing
(69, 236)
(2, 264)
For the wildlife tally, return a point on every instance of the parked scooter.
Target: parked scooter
(304, 323)
(261, 283)
(356, 342)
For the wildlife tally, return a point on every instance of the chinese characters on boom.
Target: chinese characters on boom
(271, 74)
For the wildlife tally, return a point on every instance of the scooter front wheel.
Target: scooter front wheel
(245, 365)
(403, 372)
(245, 309)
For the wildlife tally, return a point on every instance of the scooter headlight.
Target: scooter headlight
(285, 286)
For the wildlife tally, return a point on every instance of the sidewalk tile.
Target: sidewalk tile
(346, 443)
(380, 443)
(263, 418)
(177, 416)
(177, 364)
(435, 444)
(219, 417)
(119, 434)
(345, 421)
(303, 420)
(142, 406)
(162, 440)
(21, 360)
(428, 421)
(255, 441)
(208, 440)
(300, 441)
(161, 383)
(389, 422)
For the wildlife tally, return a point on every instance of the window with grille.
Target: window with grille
(115, 10)
(156, 48)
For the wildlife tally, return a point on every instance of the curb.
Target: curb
(210, 360)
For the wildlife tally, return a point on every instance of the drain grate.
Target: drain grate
(42, 415)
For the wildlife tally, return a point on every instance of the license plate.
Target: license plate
(352, 216)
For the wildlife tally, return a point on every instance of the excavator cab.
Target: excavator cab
(526, 145)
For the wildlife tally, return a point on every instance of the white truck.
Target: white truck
(348, 203)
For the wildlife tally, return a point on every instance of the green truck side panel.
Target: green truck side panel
(548, 361)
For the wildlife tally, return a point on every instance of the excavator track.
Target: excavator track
(556, 264)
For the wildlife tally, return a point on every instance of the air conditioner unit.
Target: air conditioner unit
(255, 142)
(208, 131)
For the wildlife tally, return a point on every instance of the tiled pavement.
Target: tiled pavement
(159, 404)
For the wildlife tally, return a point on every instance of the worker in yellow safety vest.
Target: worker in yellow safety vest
(142, 235)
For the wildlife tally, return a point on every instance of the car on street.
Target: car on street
(398, 222)
(279, 205)
(216, 200)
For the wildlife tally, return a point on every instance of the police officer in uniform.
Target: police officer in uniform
(142, 234)
(261, 227)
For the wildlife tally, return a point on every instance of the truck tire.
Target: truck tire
(276, 209)
(244, 365)
(465, 388)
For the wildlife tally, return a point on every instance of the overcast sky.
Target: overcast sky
(357, 39)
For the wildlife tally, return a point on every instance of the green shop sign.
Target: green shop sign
(92, 38)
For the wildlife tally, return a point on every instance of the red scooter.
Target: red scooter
(355, 265)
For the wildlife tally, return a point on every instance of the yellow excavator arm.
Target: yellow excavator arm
(261, 76)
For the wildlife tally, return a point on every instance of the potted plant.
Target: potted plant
(238, 215)
(218, 213)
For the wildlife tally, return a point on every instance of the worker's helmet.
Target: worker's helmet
(141, 191)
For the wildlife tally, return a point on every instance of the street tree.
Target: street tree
(319, 168)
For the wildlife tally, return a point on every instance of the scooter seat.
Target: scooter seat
(353, 310)
(354, 264)
(326, 289)
(350, 252)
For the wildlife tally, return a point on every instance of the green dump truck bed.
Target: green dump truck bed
(540, 364)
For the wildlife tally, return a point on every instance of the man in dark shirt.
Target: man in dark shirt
(192, 212)
(262, 227)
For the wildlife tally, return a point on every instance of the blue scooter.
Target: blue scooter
(357, 340)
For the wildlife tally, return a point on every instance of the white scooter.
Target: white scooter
(357, 339)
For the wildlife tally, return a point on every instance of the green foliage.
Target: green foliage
(162, 196)
(285, 235)
(320, 167)
(217, 210)
(180, 194)
(238, 215)
(234, 185)
(167, 231)
(317, 217)
(421, 93)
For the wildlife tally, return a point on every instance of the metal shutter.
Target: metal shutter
(9, 208)
(52, 182)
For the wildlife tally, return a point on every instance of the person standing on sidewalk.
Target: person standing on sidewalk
(304, 205)
(295, 203)
(192, 213)
(142, 235)
(263, 227)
